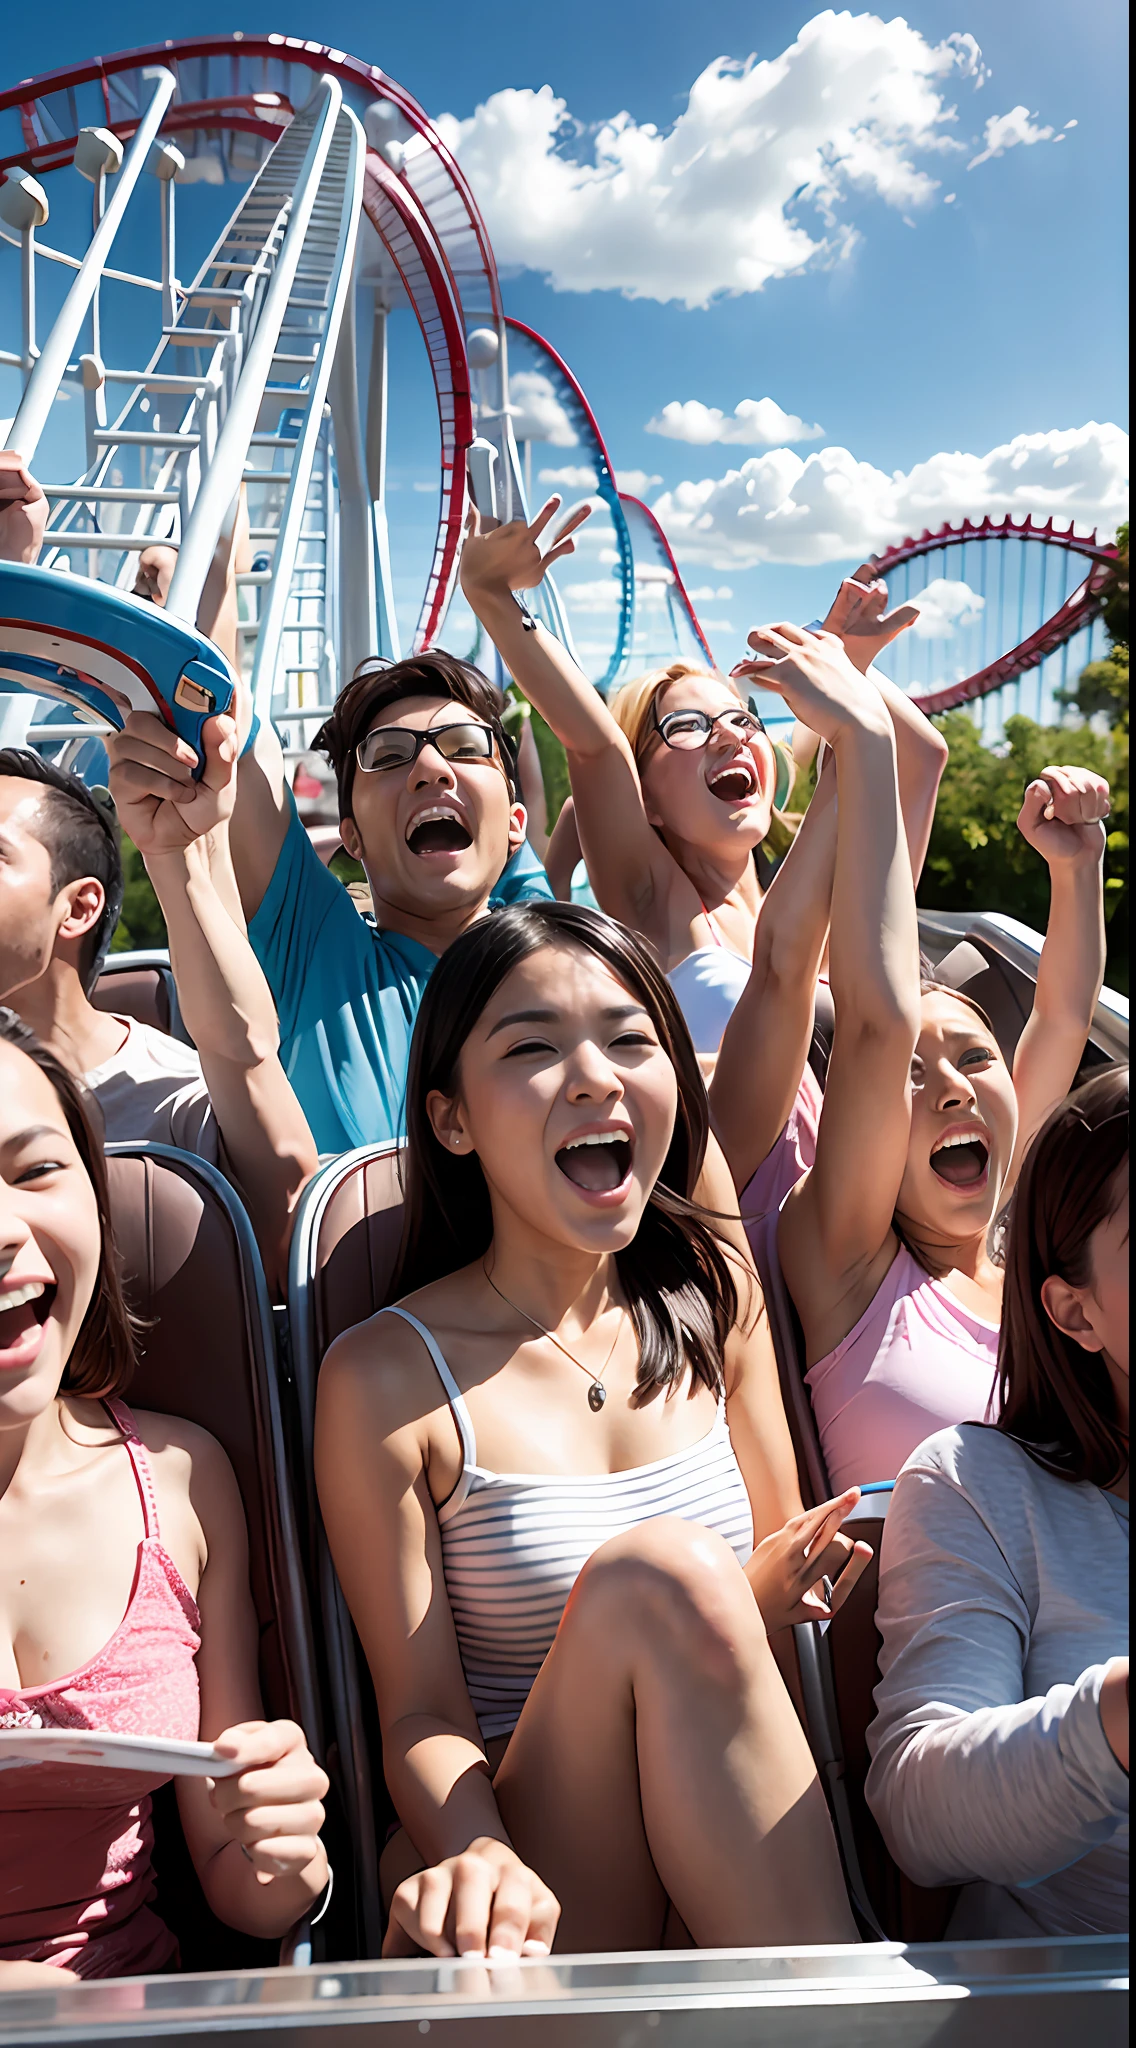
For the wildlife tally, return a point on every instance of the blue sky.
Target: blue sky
(943, 327)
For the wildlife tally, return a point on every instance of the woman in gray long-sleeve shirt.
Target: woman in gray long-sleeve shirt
(1000, 1746)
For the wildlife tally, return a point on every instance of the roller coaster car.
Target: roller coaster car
(193, 1275)
(106, 653)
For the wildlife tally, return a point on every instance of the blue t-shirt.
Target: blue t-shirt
(346, 994)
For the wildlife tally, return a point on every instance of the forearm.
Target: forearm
(1071, 968)
(874, 940)
(225, 1000)
(921, 756)
(263, 1906)
(229, 1012)
(547, 674)
(1009, 1793)
(440, 1782)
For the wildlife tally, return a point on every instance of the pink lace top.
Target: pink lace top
(75, 1843)
(918, 1360)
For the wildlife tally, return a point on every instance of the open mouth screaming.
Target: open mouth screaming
(23, 1312)
(963, 1161)
(441, 829)
(598, 1163)
(735, 782)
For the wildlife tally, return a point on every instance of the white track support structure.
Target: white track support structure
(299, 595)
(233, 394)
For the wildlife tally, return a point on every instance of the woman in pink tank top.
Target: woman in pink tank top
(124, 1600)
(884, 1243)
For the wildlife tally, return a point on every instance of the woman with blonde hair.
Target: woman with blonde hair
(675, 780)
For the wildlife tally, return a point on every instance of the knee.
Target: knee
(679, 1589)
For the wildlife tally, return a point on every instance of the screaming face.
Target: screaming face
(434, 834)
(713, 796)
(568, 1099)
(964, 1121)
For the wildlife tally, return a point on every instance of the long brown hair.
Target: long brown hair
(103, 1354)
(1056, 1398)
(680, 1292)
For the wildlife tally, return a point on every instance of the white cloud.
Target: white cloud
(636, 481)
(431, 487)
(537, 412)
(755, 423)
(706, 594)
(828, 507)
(1005, 131)
(571, 476)
(944, 607)
(714, 204)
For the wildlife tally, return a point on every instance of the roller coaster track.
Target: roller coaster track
(1074, 613)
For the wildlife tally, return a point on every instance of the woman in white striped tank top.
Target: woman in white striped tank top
(544, 1475)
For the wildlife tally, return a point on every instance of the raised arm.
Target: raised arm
(225, 999)
(372, 1450)
(628, 865)
(836, 1225)
(858, 617)
(1062, 817)
(766, 1042)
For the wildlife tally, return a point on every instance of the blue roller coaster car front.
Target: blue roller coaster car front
(106, 653)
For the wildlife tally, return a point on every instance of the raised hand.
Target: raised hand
(151, 780)
(787, 1569)
(23, 510)
(274, 1805)
(813, 674)
(1062, 815)
(858, 618)
(485, 1902)
(510, 557)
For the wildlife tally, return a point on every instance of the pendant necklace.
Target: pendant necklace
(597, 1392)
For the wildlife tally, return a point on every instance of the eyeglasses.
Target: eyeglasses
(397, 746)
(687, 731)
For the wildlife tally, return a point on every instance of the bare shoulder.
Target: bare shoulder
(199, 1500)
(381, 1373)
(182, 1450)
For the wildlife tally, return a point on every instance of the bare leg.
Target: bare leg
(659, 1760)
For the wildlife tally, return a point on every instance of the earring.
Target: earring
(455, 1138)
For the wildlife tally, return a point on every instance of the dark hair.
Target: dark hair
(678, 1284)
(432, 674)
(1056, 1398)
(103, 1355)
(80, 834)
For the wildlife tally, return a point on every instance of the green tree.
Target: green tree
(978, 860)
(141, 924)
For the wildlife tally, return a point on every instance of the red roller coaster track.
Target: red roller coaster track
(1077, 611)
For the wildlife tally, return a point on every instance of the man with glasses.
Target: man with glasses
(428, 804)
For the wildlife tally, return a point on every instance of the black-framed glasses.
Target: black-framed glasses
(687, 731)
(398, 746)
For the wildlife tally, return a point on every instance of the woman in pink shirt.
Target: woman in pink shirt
(884, 1242)
(124, 1596)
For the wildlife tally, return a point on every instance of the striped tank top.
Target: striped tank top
(514, 1543)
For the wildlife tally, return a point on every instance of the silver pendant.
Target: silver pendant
(597, 1395)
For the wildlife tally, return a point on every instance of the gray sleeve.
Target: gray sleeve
(968, 1779)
